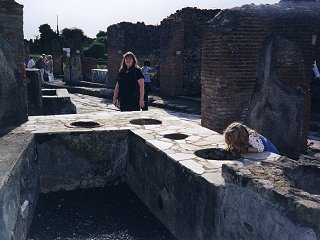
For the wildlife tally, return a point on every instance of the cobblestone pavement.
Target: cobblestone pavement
(90, 104)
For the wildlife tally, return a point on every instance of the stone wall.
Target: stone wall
(257, 67)
(181, 51)
(194, 206)
(81, 159)
(88, 63)
(13, 89)
(34, 92)
(141, 39)
(56, 56)
(19, 185)
(73, 64)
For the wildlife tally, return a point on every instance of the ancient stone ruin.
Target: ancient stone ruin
(257, 68)
(13, 88)
(181, 50)
(141, 39)
(73, 68)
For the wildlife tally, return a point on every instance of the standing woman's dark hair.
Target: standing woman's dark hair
(129, 90)
(123, 66)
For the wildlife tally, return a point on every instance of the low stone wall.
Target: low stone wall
(99, 76)
(19, 184)
(57, 101)
(196, 207)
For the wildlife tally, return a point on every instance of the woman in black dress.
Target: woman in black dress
(129, 89)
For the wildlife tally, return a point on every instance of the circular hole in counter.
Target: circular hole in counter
(145, 121)
(304, 177)
(85, 124)
(216, 154)
(176, 136)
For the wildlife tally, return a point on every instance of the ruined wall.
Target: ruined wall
(13, 98)
(81, 159)
(181, 51)
(88, 63)
(257, 68)
(141, 39)
(73, 64)
(56, 56)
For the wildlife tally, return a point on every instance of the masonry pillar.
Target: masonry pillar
(13, 88)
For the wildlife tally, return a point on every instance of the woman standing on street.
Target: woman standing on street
(129, 89)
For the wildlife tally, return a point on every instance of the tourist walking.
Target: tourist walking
(147, 73)
(49, 67)
(242, 139)
(129, 89)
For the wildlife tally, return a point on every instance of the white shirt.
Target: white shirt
(31, 64)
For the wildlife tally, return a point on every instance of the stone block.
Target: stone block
(99, 76)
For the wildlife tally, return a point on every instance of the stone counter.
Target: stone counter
(188, 193)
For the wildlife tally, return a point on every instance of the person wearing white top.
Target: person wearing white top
(147, 73)
(30, 63)
(49, 66)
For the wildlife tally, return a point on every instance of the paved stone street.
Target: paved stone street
(90, 104)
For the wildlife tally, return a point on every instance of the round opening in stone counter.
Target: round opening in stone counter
(216, 154)
(145, 121)
(175, 136)
(85, 124)
(304, 177)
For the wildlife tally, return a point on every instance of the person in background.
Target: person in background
(242, 139)
(30, 63)
(41, 66)
(147, 73)
(129, 89)
(49, 67)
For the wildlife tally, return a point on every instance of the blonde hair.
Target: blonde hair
(236, 136)
(123, 66)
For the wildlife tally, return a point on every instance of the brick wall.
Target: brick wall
(141, 39)
(181, 49)
(171, 60)
(13, 89)
(257, 68)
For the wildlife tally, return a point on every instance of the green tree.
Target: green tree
(73, 38)
(95, 50)
(46, 37)
(101, 34)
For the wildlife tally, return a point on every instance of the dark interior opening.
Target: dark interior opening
(216, 154)
(49, 92)
(111, 212)
(88, 124)
(176, 136)
(145, 121)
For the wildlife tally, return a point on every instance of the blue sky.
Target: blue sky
(94, 15)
